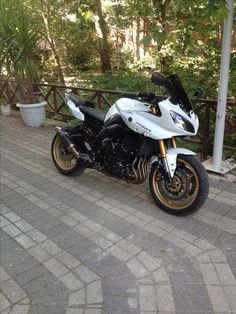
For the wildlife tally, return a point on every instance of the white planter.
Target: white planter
(6, 109)
(33, 114)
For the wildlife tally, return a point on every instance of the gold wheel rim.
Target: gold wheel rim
(65, 162)
(177, 203)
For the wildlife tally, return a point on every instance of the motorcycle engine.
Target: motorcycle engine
(117, 155)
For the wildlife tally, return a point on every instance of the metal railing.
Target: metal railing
(54, 95)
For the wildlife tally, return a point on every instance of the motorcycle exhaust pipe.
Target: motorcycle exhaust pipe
(70, 146)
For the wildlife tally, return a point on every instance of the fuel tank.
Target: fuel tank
(126, 104)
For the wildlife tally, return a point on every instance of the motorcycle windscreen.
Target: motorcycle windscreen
(179, 92)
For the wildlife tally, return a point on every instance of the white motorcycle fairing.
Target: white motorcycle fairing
(75, 110)
(137, 116)
(171, 157)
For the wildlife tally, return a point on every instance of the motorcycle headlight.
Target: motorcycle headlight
(178, 120)
(181, 122)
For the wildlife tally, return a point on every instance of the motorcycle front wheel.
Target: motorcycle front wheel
(64, 161)
(187, 192)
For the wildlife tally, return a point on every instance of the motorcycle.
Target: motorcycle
(135, 139)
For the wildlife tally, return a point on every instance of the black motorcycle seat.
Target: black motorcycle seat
(89, 113)
(82, 102)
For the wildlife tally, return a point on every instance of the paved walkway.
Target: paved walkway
(92, 244)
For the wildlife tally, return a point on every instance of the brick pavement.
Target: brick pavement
(93, 244)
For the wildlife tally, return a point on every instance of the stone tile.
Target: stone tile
(38, 253)
(119, 253)
(77, 298)
(137, 269)
(85, 274)
(25, 301)
(165, 298)
(217, 256)
(94, 292)
(218, 299)
(136, 221)
(129, 247)
(55, 267)
(180, 243)
(20, 309)
(71, 282)
(11, 230)
(36, 235)
(23, 225)
(14, 292)
(209, 274)
(160, 275)
(69, 220)
(104, 205)
(68, 260)
(74, 311)
(50, 247)
(193, 250)
(93, 311)
(225, 274)
(230, 294)
(147, 298)
(118, 212)
(191, 298)
(143, 216)
(111, 236)
(3, 222)
(25, 241)
(4, 303)
(145, 281)
(155, 230)
(3, 275)
(148, 261)
(183, 235)
(51, 308)
(128, 209)
(92, 225)
(3, 209)
(83, 231)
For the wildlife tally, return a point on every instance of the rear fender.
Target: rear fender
(171, 157)
(75, 110)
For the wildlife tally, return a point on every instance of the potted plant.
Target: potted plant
(21, 62)
(5, 107)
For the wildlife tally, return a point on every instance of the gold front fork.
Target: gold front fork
(153, 110)
(162, 148)
(173, 142)
(163, 156)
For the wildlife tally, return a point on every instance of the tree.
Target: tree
(102, 33)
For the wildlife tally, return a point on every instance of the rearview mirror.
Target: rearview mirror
(159, 79)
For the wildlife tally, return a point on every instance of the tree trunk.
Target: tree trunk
(101, 29)
(138, 39)
(161, 8)
(49, 36)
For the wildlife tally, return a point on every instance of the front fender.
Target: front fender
(171, 157)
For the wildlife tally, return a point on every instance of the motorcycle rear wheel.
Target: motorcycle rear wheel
(189, 188)
(64, 161)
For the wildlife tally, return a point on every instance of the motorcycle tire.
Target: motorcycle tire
(64, 161)
(187, 192)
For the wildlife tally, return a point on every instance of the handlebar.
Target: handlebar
(148, 96)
